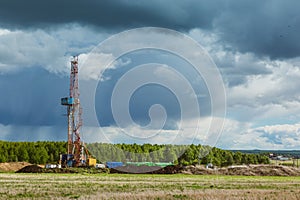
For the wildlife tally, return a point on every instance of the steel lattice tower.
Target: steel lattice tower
(74, 109)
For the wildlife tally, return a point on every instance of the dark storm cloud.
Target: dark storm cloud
(267, 28)
(33, 133)
(107, 14)
(32, 98)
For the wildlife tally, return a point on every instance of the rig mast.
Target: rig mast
(75, 146)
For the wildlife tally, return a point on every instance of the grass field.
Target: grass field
(117, 186)
(294, 162)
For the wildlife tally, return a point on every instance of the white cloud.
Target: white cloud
(20, 49)
(209, 40)
(51, 49)
(268, 96)
(234, 65)
(288, 128)
(243, 136)
(283, 136)
(258, 89)
(4, 32)
(92, 65)
(190, 131)
(130, 134)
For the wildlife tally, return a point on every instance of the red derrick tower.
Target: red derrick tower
(76, 151)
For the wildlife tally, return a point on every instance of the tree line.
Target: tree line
(49, 152)
(177, 154)
(33, 152)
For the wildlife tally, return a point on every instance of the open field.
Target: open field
(126, 186)
(293, 162)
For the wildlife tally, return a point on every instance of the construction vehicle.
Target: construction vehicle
(77, 153)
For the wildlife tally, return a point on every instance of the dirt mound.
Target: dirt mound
(147, 170)
(170, 170)
(261, 170)
(134, 169)
(199, 170)
(246, 170)
(31, 169)
(13, 166)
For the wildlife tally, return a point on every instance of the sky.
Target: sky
(254, 45)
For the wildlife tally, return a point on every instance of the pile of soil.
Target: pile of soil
(198, 170)
(134, 169)
(13, 166)
(246, 170)
(30, 169)
(170, 170)
(147, 170)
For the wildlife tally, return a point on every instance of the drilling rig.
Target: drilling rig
(77, 154)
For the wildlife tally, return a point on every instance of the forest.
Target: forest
(42, 152)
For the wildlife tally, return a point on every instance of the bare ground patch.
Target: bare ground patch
(13, 166)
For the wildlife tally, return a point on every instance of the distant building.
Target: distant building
(279, 157)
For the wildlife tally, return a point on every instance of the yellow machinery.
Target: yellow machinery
(91, 162)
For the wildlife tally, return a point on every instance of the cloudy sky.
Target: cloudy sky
(255, 45)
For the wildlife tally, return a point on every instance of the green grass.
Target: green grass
(146, 186)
